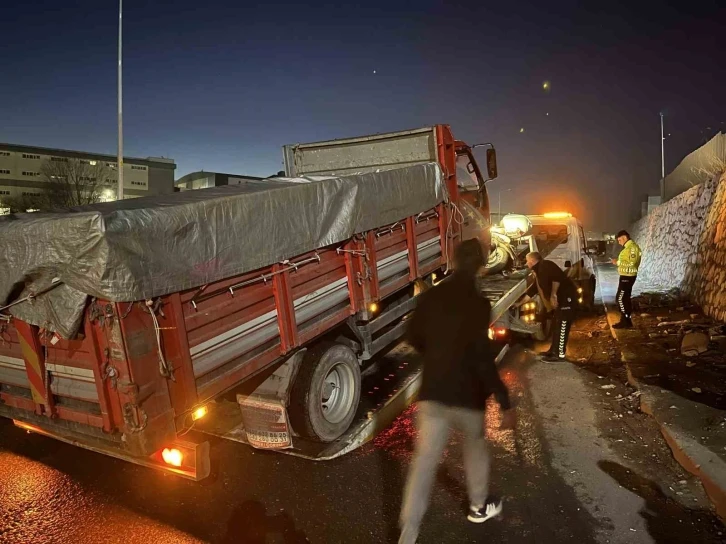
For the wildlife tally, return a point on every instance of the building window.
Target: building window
(86, 178)
(59, 159)
(111, 164)
(4, 153)
(4, 171)
(31, 174)
(30, 156)
(30, 194)
(2, 192)
(141, 183)
(138, 167)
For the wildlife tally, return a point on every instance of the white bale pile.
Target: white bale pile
(684, 245)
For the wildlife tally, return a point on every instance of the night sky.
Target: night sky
(221, 86)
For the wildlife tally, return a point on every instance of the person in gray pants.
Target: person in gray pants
(450, 330)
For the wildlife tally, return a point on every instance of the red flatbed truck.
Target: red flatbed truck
(136, 375)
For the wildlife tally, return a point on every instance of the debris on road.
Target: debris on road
(673, 323)
(694, 343)
(610, 386)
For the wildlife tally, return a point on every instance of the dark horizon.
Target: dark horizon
(223, 87)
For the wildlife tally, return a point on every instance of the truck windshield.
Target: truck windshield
(550, 237)
(465, 178)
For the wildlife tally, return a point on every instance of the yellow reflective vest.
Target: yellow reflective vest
(629, 259)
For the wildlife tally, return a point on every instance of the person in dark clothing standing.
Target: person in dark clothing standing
(450, 330)
(558, 293)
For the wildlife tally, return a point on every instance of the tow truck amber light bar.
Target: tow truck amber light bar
(184, 458)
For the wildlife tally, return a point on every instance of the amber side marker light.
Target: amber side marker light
(199, 413)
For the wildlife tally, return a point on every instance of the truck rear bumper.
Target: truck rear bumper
(181, 457)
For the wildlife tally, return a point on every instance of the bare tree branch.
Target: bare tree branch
(74, 182)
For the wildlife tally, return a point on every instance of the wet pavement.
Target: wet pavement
(583, 466)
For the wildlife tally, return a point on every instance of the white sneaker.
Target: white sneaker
(483, 513)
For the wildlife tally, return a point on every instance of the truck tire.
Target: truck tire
(326, 392)
(498, 261)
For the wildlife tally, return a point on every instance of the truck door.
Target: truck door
(474, 204)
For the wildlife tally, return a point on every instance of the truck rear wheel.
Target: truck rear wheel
(326, 392)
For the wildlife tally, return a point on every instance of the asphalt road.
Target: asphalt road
(578, 469)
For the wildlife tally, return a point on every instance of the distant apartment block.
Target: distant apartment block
(21, 167)
(204, 180)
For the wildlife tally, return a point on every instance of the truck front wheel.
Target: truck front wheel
(498, 260)
(326, 392)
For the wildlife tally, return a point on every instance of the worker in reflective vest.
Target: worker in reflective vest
(628, 262)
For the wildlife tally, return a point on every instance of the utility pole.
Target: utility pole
(662, 160)
(120, 165)
(662, 148)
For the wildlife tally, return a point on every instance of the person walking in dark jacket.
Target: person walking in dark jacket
(558, 294)
(450, 330)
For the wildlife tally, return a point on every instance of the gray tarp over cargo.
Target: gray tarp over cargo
(152, 246)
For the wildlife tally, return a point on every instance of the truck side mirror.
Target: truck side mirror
(568, 264)
(491, 163)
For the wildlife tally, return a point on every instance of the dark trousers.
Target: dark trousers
(625, 290)
(562, 322)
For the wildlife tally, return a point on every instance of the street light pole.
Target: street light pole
(120, 165)
(662, 160)
(662, 148)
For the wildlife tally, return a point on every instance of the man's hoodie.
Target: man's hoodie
(450, 330)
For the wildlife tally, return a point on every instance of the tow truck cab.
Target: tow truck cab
(561, 235)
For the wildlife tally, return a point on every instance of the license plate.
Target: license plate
(266, 423)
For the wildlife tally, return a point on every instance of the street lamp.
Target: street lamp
(120, 159)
